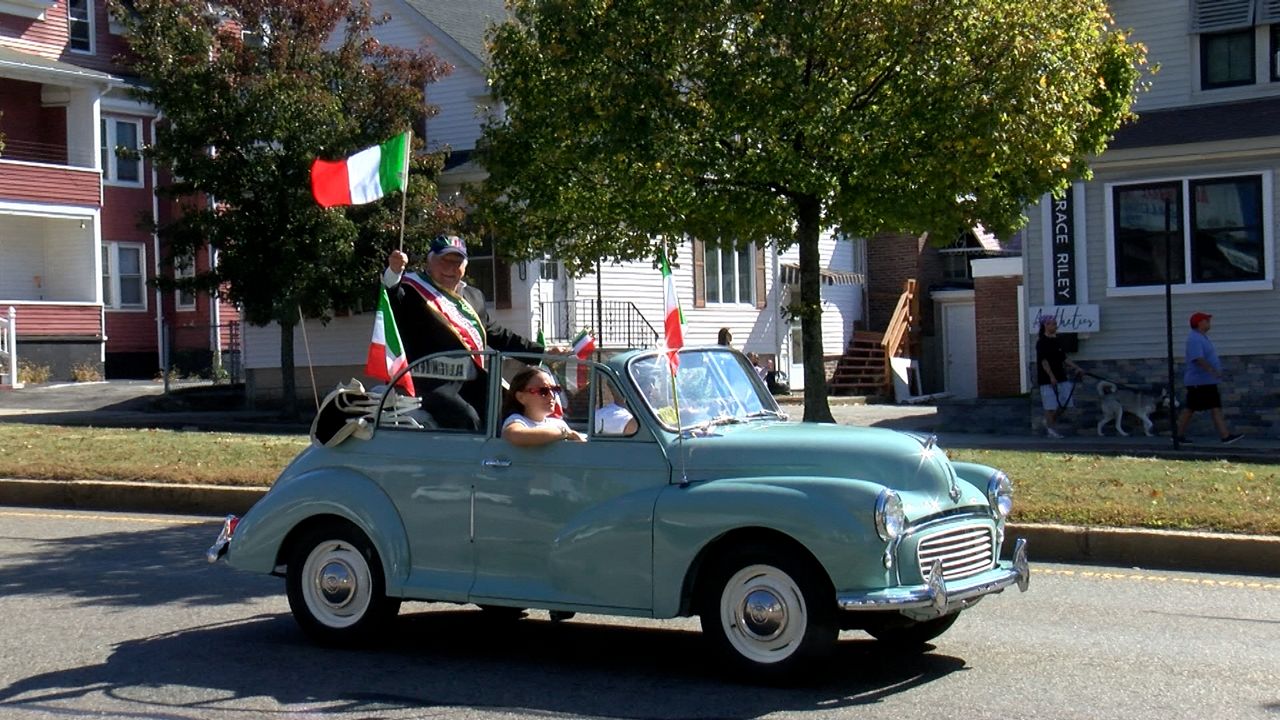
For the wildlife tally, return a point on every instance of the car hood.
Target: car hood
(890, 458)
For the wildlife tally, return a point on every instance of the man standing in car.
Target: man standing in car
(438, 311)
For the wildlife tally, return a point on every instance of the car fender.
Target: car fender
(975, 474)
(261, 533)
(832, 518)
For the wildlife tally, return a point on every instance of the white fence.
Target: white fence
(9, 349)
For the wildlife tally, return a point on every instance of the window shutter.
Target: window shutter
(761, 298)
(501, 284)
(699, 274)
(1209, 16)
(1268, 12)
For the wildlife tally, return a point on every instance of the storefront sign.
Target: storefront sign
(1071, 318)
(1062, 256)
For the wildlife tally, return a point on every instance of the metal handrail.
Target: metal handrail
(621, 322)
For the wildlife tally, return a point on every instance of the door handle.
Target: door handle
(495, 463)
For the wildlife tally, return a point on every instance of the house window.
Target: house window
(1275, 52)
(121, 163)
(1226, 59)
(80, 25)
(728, 273)
(1226, 239)
(1226, 225)
(184, 268)
(123, 276)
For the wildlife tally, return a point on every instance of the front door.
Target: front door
(960, 348)
(558, 322)
(795, 373)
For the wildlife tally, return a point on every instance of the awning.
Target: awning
(791, 276)
(34, 68)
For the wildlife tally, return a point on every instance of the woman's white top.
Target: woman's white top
(518, 418)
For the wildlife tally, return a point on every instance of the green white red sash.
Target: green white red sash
(454, 311)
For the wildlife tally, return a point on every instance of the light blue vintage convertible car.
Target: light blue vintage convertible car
(777, 534)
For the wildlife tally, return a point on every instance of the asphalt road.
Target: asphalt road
(117, 616)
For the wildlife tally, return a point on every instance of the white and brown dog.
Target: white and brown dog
(1117, 401)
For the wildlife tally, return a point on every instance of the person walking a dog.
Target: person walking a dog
(1056, 391)
(1201, 378)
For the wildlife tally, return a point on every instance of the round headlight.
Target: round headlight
(890, 520)
(1000, 494)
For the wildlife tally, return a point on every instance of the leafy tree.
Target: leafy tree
(631, 125)
(251, 91)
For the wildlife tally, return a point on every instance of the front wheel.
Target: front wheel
(335, 585)
(768, 612)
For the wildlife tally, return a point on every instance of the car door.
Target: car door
(569, 523)
(429, 471)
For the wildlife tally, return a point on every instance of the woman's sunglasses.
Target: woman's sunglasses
(545, 390)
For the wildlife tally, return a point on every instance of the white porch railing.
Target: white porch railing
(9, 349)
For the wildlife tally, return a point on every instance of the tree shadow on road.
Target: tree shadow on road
(144, 566)
(448, 657)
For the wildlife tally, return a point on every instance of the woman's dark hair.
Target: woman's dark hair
(510, 405)
(724, 337)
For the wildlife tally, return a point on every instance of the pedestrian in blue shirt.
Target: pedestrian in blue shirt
(1202, 375)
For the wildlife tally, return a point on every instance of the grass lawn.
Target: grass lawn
(1050, 487)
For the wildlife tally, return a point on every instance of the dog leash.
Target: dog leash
(1119, 385)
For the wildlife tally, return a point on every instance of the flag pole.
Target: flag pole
(675, 402)
(404, 190)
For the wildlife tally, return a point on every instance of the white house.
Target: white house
(744, 291)
(1196, 171)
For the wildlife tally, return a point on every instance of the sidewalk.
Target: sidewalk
(141, 404)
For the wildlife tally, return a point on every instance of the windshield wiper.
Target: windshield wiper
(776, 414)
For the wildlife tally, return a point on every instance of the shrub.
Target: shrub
(86, 372)
(29, 372)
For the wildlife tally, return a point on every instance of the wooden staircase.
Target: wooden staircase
(865, 367)
(860, 370)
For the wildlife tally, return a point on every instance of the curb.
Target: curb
(1149, 549)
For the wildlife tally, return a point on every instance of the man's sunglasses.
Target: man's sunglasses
(545, 390)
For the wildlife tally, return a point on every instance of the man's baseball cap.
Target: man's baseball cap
(1198, 317)
(449, 244)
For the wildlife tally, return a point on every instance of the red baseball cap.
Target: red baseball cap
(1198, 317)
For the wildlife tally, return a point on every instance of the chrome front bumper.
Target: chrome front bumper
(219, 546)
(942, 597)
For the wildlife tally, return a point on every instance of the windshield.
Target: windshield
(711, 386)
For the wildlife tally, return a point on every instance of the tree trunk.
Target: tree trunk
(808, 217)
(288, 387)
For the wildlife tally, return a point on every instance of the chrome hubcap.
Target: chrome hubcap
(763, 615)
(336, 584)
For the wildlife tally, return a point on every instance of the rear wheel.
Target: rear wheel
(335, 585)
(768, 612)
(906, 634)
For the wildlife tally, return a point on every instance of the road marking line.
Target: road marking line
(1143, 577)
(111, 518)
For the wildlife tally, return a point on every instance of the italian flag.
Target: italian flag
(363, 177)
(386, 354)
(584, 345)
(673, 323)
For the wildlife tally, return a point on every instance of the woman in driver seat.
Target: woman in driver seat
(527, 407)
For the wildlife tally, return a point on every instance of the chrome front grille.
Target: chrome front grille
(964, 551)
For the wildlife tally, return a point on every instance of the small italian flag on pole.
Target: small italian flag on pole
(673, 323)
(584, 345)
(386, 354)
(364, 177)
